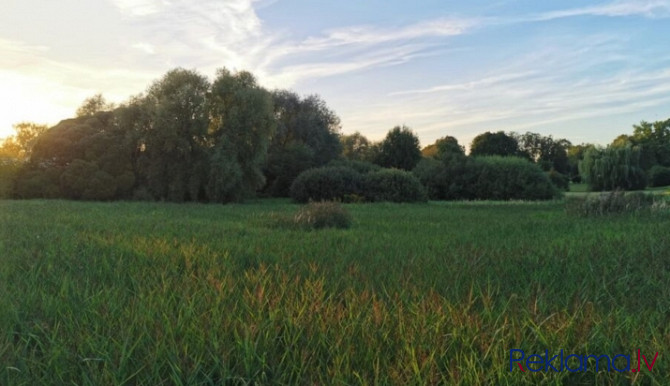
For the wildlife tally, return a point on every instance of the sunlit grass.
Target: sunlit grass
(149, 293)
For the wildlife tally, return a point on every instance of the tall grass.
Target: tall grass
(149, 293)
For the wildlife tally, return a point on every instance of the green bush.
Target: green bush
(559, 180)
(506, 178)
(326, 184)
(608, 203)
(101, 187)
(38, 184)
(432, 174)
(395, 186)
(443, 179)
(659, 176)
(325, 214)
(9, 169)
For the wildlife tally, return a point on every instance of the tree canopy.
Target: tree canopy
(399, 149)
(307, 136)
(497, 143)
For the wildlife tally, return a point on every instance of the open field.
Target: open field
(151, 293)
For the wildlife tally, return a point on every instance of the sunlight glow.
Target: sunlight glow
(33, 100)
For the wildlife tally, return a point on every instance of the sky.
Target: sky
(582, 70)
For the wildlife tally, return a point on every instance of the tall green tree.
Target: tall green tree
(174, 136)
(356, 147)
(498, 143)
(613, 168)
(242, 122)
(92, 105)
(399, 149)
(15, 150)
(575, 156)
(547, 152)
(442, 172)
(307, 135)
(20, 145)
(654, 138)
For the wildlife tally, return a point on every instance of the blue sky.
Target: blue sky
(582, 70)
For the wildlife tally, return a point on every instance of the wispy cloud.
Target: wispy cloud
(646, 8)
(556, 84)
(367, 35)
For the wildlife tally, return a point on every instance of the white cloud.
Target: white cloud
(139, 7)
(646, 8)
(366, 35)
(145, 47)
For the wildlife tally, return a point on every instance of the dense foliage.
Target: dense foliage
(442, 171)
(359, 166)
(344, 183)
(613, 168)
(307, 136)
(659, 175)
(189, 139)
(559, 180)
(498, 143)
(394, 185)
(186, 139)
(327, 184)
(506, 178)
(448, 174)
(399, 149)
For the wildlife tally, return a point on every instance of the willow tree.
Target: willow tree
(241, 123)
(174, 135)
(613, 168)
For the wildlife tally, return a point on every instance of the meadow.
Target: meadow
(133, 293)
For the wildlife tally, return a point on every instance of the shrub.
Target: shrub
(506, 178)
(659, 176)
(325, 214)
(443, 179)
(326, 184)
(559, 180)
(609, 203)
(9, 170)
(432, 174)
(395, 186)
(101, 186)
(38, 184)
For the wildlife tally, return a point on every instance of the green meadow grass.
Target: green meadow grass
(437, 293)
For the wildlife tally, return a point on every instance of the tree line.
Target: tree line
(190, 139)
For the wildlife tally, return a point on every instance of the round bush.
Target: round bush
(559, 180)
(659, 176)
(395, 186)
(326, 184)
(507, 178)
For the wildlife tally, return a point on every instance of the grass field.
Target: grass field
(437, 293)
(580, 190)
